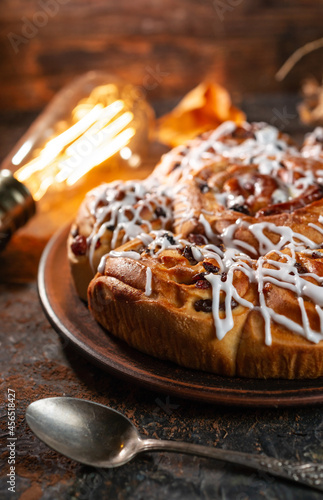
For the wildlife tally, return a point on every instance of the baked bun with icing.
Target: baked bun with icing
(110, 215)
(230, 279)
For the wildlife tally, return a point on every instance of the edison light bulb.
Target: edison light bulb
(97, 120)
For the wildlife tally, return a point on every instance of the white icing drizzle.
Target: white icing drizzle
(127, 255)
(103, 261)
(120, 207)
(197, 254)
(162, 241)
(316, 227)
(282, 273)
(145, 238)
(148, 289)
(265, 151)
(207, 227)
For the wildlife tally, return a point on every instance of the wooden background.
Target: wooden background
(165, 46)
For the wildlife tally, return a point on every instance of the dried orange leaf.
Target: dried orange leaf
(203, 108)
(311, 109)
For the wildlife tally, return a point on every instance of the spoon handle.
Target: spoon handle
(309, 474)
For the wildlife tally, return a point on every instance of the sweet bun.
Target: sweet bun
(110, 215)
(222, 269)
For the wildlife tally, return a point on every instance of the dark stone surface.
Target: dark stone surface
(35, 363)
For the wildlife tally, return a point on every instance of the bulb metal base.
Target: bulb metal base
(16, 206)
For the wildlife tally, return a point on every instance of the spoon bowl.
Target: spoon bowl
(84, 431)
(96, 435)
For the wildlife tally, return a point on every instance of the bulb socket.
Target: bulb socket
(16, 206)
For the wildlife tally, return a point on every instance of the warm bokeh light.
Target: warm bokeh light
(96, 130)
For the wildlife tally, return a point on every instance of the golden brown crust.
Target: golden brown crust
(289, 356)
(195, 202)
(166, 325)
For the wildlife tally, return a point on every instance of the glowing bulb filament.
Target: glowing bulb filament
(101, 126)
(56, 145)
(102, 154)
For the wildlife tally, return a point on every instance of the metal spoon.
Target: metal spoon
(96, 435)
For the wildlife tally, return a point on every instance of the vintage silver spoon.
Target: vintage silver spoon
(96, 435)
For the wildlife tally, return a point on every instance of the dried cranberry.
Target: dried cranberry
(187, 253)
(198, 239)
(170, 238)
(203, 284)
(242, 133)
(316, 255)
(98, 244)
(211, 268)
(233, 304)
(249, 186)
(243, 209)
(160, 212)
(198, 276)
(204, 188)
(120, 195)
(203, 305)
(79, 245)
(224, 277)
(300, 269)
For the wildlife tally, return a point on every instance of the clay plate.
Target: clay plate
(71, 318)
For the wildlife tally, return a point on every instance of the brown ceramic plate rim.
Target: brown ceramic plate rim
(71, 319)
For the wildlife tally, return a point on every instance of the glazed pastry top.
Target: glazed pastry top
(238, 204)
